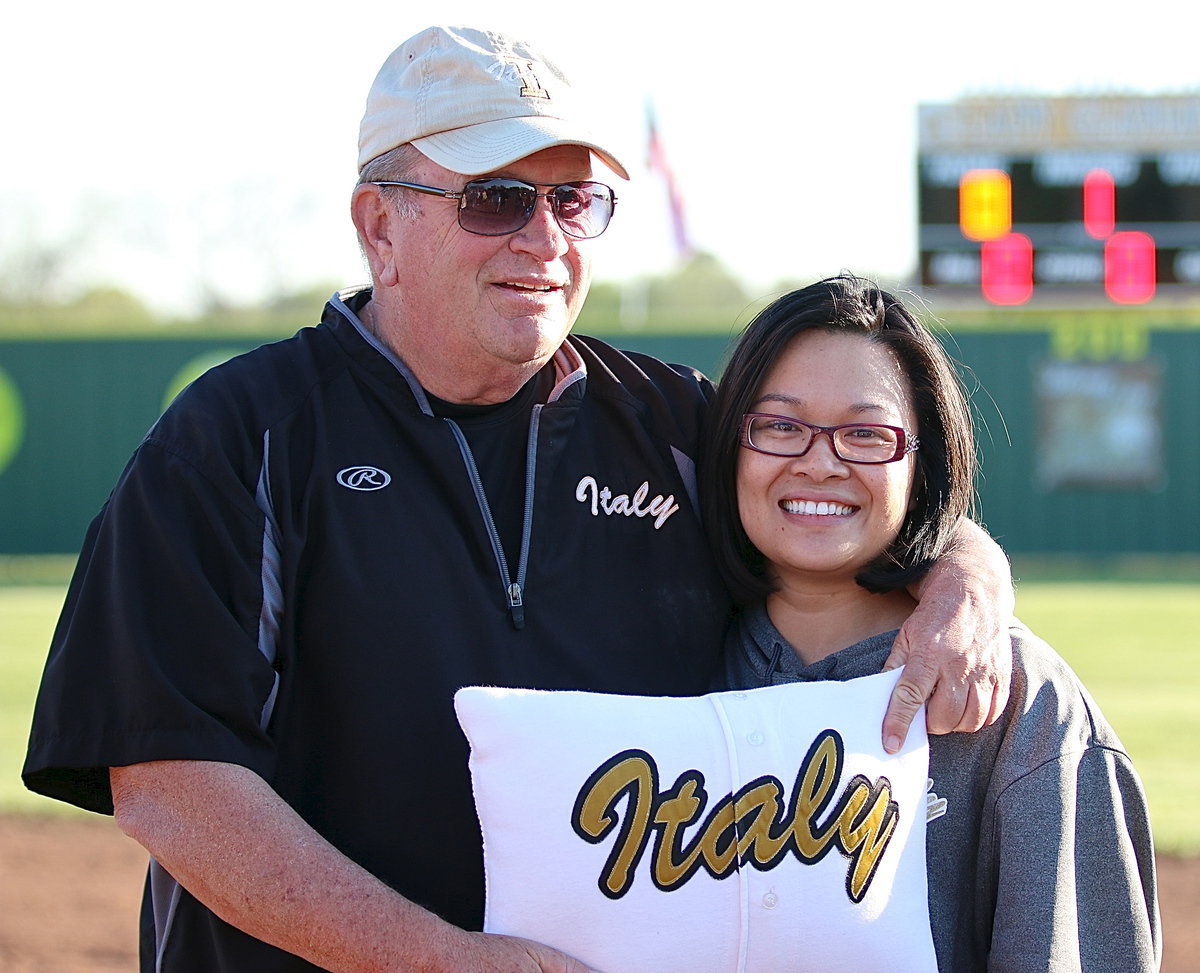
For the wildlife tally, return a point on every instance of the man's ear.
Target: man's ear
(374, 218)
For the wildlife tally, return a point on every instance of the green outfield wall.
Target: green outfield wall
(1089, 430)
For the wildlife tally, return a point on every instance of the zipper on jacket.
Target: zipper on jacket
(514, 588)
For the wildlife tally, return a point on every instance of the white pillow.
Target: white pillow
(600, 838)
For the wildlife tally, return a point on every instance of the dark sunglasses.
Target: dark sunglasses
(496, 206)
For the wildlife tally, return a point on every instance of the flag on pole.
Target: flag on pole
(658, 163)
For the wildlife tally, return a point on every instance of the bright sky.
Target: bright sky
(170, 149)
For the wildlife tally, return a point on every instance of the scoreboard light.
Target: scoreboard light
(985, 204)
(1006, 269)
(1129, 270)
(1099, 204)
(1088, 198)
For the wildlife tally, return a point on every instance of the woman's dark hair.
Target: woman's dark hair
(943, 487)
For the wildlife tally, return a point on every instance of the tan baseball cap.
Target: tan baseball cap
(473, 101)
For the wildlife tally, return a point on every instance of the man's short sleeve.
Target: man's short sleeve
(157, 653)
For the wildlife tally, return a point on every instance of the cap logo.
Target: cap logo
(517, 70)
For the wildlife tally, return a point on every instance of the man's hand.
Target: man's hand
(955, 646)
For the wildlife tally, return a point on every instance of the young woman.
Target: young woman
(839, 458)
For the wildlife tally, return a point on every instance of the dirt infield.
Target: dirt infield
(69, 891)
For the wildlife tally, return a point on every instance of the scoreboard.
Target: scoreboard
(1084, 199)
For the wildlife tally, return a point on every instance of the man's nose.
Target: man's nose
(542, 235)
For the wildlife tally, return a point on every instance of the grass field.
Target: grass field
(1135, 643)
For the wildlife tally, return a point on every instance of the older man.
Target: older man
(320, 541)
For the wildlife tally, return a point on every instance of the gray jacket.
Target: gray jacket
(1038, 846)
